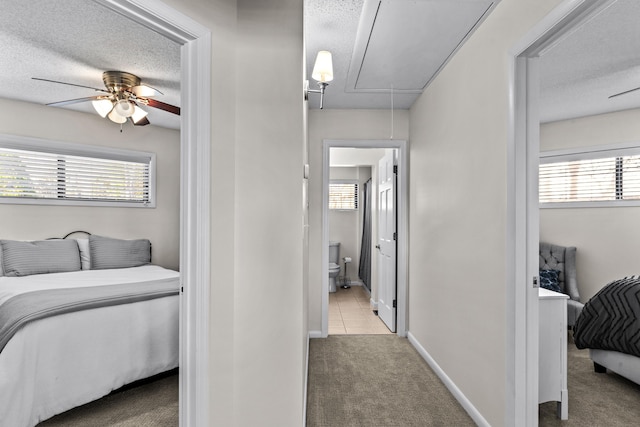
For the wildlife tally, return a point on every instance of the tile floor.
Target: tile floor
(350, 313)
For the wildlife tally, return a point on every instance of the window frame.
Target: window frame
(589, 153)
(18, 142)
(356, 194)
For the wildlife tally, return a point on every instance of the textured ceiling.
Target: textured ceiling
(74, 41)
(600, 58)
(597, 60)
(385, 51)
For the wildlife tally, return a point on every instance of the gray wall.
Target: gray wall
(258, 308)
(607, 239)
(457, 213)
(344, 225)
(160, 224)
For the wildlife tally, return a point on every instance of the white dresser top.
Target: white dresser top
(547, 294)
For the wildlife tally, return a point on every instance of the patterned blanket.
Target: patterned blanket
(611, 319)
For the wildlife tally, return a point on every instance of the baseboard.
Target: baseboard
(315, 334)
(373, 304)
(451, 386)
(305, 386)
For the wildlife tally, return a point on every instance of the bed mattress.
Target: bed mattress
(58, 363)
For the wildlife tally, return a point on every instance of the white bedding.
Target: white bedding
(58, 363)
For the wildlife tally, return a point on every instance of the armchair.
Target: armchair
(563, 259)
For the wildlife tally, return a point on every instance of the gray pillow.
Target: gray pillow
(106, 252)
(39, 257)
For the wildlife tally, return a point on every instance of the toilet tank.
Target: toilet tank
(334, 252)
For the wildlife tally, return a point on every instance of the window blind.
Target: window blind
(343, 195)
(590, 180)
(35, 174)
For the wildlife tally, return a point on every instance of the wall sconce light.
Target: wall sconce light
(322, 73)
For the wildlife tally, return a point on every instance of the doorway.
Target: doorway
(522, 172)
(195, 161)
(356, 279)
(367, 300)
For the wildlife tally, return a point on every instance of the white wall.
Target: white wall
(258, 306)
(160, 224)
(457, 212)
(338, 124)
(607, 239)
(343, 225)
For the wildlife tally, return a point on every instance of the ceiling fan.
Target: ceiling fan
(121, 99)
(624, 93)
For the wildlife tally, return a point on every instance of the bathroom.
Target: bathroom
(352, 290)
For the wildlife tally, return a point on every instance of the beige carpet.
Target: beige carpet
(381, 381)
(152, 404)
(594, 399)
(376, 381)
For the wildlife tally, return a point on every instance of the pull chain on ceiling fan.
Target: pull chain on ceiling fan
(124, 91)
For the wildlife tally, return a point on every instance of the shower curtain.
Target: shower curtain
(364, 270)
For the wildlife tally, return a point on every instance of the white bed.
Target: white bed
(609, 327)
(623, 364)
(54, 364)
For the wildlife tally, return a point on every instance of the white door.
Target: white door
(387, 240)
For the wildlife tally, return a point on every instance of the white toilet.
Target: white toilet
(334, 264)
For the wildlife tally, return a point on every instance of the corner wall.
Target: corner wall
(258, 308)
(457, 212)
(607, 239)
(268, 309)
(160, 224)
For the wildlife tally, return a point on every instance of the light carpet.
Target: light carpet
(147, 404)
(594, 399)
(377, 381)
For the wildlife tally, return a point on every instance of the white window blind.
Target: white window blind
(599, 176)
(63, 173)
(343, 195)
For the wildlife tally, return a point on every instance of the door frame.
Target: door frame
(195, 163)
(402, 225)
(523, 222)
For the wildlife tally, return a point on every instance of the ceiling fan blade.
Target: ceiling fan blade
(70, 84)
(162, 106)
(144, 91)
(142, 122)
(624, 93)
(74, 101)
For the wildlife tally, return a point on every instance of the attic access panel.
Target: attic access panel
(402, 44)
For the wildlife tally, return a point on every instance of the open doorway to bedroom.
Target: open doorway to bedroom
(538, 98)
(187, 183)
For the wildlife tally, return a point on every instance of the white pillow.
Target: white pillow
(85, 257)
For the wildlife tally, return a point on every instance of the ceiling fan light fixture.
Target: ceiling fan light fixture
(145, 91)
(138, 114)
(124, 108)
(102, 106)
(116, 118)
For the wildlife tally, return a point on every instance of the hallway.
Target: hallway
(377, 381)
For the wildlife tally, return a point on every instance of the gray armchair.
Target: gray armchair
(563, 259)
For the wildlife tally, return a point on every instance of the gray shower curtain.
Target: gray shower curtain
(364, 270)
